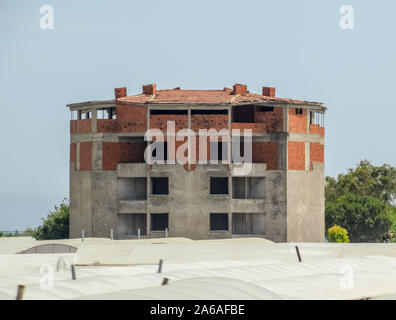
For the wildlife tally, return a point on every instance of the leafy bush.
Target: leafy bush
(56, 225)
(338, 234)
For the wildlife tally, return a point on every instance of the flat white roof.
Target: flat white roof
(209, 269)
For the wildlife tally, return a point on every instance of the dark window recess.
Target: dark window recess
(265, 109)
(218, 221)
(132, 139)
(165, 150)
(159, 221)
(222, 151)
(160, 185)
(159, 112)
(299, 111)
(209, 112)
(218, 185)
(244, 114)
(111, 113)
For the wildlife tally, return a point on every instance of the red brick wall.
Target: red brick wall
(316, 153)
(86, 156)
(107, 125)
(159, 121)
(316, 129)
(209, 121)
(122, 152)
(73, 126)
(297, 122)
(73, 152)
(272, 119)
(255, 127)
(84, 126)
(266, 152)
(131, 118)
(296, 155)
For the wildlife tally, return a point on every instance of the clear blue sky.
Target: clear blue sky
(296, 46)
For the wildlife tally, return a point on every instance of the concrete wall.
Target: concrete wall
(104, 206)
(80, 202)
(305, 205)
(189, 203)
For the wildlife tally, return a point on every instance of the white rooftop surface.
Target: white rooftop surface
(248, 268)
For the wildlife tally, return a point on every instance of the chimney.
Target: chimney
(240, 89)
(120, 92)
(269, 91)
(150, 89)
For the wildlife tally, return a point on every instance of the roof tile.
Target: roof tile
(225, 96)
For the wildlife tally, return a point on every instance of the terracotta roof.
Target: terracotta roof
(225, 96)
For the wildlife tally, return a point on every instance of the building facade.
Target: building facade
(112, 186)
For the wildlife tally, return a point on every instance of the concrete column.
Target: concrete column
(286, 118)
(189, 127)
(148, 123)
(94, 121)
(148, 222)
(307, 155)
(285, 148)
(78, 155)
(78, 121)
(148, 183)
(229, 137)
(97, 153)
(246, 188)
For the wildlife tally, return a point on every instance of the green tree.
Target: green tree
(56, 225)
(362, 201)
(366, 218)
(366, 179)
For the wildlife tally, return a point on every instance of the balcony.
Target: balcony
(132, 206)
(248, 205)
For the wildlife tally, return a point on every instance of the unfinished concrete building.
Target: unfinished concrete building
(112, 186)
